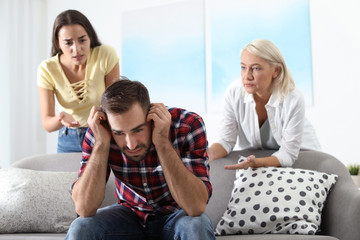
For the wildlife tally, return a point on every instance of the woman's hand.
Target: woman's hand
(252, 161)
(248, 162)
(68, 120)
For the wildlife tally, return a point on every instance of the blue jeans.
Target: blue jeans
(119, 222)
(71, 139)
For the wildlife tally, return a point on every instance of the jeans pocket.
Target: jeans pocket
(68, 140)
(63, 132)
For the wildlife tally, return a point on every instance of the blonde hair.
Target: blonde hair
(267, 50)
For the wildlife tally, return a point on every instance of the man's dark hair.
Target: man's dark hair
(72, 17)
(123, 94)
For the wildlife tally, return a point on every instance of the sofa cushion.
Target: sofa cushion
(276, 200)
(35, 201)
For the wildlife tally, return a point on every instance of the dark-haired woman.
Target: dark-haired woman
(77, 74)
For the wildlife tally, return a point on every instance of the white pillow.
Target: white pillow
(276, 200)
(35, 201)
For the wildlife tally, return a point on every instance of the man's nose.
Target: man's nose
(131, 142)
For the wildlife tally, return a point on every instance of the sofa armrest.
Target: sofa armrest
(341, 213)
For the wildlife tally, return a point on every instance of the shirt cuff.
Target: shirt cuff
(284, 158)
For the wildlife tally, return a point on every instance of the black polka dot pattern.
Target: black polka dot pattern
(276, 200)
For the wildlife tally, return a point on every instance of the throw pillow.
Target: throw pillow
(35, 201)
(276, 200)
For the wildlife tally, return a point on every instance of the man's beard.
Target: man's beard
(137, 158)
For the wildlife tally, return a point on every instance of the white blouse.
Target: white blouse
(286, 116)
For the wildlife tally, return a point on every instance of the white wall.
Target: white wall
(5, 86)
(335, 37)
(336, 73)
(21, 50)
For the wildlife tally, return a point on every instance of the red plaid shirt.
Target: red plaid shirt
(141, 185)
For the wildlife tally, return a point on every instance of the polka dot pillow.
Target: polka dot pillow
(276, 200)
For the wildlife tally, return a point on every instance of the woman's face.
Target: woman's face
(74, 42)
(257, 74)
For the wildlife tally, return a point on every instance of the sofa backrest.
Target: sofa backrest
(338, 201)
(64, 162)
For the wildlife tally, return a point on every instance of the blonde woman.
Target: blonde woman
(264, 111)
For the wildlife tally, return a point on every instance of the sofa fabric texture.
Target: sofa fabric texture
(35, 201)
(340, 217)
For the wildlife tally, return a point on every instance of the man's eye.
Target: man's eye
(138, 130)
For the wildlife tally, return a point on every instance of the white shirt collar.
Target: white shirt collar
(275, 99)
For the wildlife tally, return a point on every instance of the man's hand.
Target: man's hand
(188, 191)
(97, 121)
(89, 191)
(161, 118)
(248, 162)
(68, 120)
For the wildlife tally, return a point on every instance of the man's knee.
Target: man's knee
(195, 222)
(195, 227)
(83, 228)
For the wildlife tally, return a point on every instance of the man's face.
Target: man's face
(131, 132)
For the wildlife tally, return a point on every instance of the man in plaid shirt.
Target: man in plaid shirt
(158, 156)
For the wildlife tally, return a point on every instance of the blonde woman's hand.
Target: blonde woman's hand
(248, 162)
(68, 120)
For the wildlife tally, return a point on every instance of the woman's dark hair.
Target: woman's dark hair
(72, 17)
(120, 96)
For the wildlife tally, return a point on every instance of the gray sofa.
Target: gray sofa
(340, 216)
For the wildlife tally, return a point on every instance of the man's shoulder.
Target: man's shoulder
(182, 114)
(182, 118)
(187, 129)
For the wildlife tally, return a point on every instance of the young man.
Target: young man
(159, 160)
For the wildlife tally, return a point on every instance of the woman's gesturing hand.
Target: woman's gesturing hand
(68, 120)
(248, 162)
